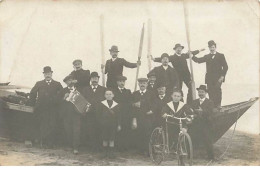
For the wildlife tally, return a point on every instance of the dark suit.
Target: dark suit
(71, 119)
(83, 78)
(204, 127)
(46, 100)
(124, 99)
(181, 66)
(90, 125)
(169, 77)
(114, 69)
(144, 121)
(152, 88)
(216, 66)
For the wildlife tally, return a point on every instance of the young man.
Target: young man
(216, 71)
(204, 108)
(143, 115)
(123, 96)
(151, 82)
(178, 109)
(179, 62)
(166, 74)
(114, 67)
(160, 100)
(94, 94)
(81, 76)
(44, 96)
(71, 117)
(109, 119)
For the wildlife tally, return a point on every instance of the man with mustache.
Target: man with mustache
(217, 68)
(81, 76)
(143, 115)
(94, 94)
(204, 108)
(166, 74)
(151, 82)
(44, 96)
(179, 62)
(114, 67)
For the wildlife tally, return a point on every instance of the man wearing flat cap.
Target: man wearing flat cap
(71, 117)
(216, 70)
(203, 107)
(166, 74)
(143, 115)
(179, 62)
(94, 94)
(123, 96)
(114, 67)
(45, 98)
(81, 76)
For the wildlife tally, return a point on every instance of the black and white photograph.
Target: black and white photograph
(129, 83)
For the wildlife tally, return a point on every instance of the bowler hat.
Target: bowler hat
(178, 45)
(114, 49)
(211, 42)
(203, 87)
(150, 74)
(164, 55)
(121, 78)
(77, 60)
(160, 85)
(47, 69)
(142, 79)
(69, 77)
(94, 74)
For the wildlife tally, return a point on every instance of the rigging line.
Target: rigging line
(22, 42)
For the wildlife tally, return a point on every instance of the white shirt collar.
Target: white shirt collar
(162, 96)
(178, 54)
(213, 53)
(165, 67)
(93, 86)
(48, 81)
(202, 100)
(143, 91)
(121, 88)
(113, 59)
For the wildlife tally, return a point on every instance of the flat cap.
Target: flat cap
(119, 78)
(142, 79)
(77, 60)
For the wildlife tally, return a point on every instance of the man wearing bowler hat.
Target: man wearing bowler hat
(123, 96)
(114, 67)
(44, 96)
(216, 67)
(94, 94)
(81, 76)
(151, 82)
(166, 74)
(203, 107)
(179, 62)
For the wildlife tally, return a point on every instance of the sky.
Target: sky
(37, 33)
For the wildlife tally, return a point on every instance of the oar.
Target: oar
(149, 44)
(102, 48)
(186, 14)
(139, 55)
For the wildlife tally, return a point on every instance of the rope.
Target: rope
(230, 141)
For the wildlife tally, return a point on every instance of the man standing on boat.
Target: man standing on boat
(217, 68)
(179, 62)
(166, 74)
(45, 96)
(114, 67)
(81, 76)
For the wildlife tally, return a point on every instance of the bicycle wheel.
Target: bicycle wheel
(184, 150)
(157, 145)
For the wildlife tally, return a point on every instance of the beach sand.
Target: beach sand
(244, 150)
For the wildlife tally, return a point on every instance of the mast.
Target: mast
(102, 49)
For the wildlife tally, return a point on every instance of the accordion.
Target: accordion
(79, 101)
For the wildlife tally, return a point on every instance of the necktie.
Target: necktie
(109, 102)
(142, 93)
(94, 88)
(161, 97)
(48, 82)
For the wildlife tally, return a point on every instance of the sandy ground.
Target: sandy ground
(244, 150)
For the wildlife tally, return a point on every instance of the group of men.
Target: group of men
(116, 116)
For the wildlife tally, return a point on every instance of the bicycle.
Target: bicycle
(159, 146)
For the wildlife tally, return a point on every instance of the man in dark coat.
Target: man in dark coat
(143, 115)
(160, 100)
(179, 62)
(81, 76)
(70, 115)
(94, 94)
(204, 108)
(151, 82)
(123, 96)
(114, 67)
(45, 98)
(217, 67)
(166, 74)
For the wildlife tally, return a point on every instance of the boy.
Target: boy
(109, 116)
